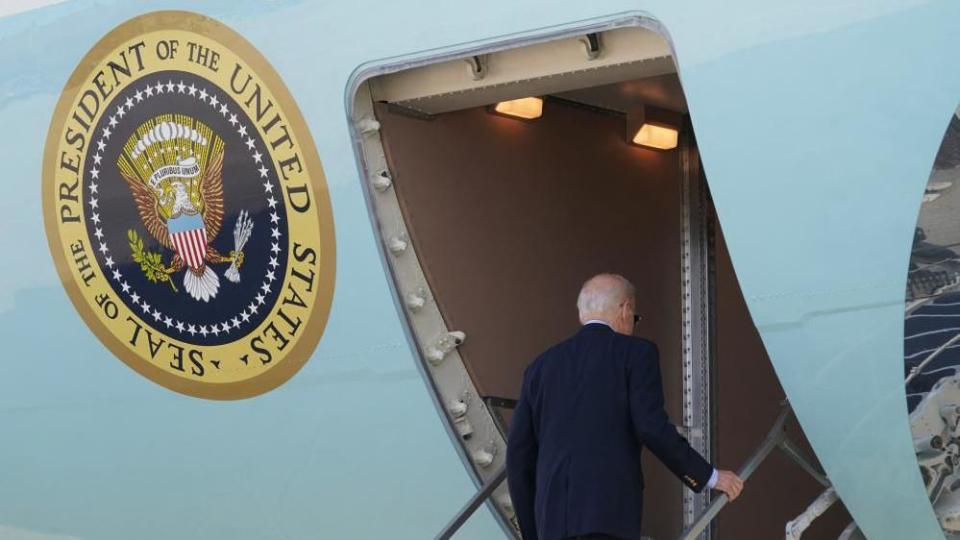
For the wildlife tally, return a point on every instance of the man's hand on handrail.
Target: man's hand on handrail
(729, 483)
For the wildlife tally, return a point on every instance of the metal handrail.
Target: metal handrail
(776, 438)
(772, 440)
(501, 402)
(792, 450)
(468, 509)
(478, 498)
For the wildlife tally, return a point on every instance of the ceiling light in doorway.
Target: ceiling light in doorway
(654, 128)
(654, 136)
(527, 108)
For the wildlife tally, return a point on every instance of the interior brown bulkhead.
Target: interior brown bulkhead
(509, 217)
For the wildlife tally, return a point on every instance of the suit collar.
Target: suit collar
(596, 326)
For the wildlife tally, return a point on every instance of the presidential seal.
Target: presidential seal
(186, 208)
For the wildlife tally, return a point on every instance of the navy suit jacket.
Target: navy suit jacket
(587, 408)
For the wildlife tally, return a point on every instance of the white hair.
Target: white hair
(604, 293)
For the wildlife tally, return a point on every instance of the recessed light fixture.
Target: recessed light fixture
(653, 128)
(655, 136)
(527, 108)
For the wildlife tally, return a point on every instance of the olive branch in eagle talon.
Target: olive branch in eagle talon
(149, 261)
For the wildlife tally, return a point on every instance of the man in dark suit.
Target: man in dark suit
(587, 408)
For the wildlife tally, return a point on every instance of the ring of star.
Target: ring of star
(238, 320)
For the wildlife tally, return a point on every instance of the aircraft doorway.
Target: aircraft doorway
(490, 223)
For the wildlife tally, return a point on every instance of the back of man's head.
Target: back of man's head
(602, 296)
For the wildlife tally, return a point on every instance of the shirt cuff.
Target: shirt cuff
(712, 483)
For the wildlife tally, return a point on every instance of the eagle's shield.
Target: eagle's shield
(189, 238)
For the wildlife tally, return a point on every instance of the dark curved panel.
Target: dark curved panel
(933, 278)
(931, 334)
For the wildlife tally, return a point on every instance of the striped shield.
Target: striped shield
(189, 237)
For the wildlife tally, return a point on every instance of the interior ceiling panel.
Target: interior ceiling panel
(547, 68)
(661, 91)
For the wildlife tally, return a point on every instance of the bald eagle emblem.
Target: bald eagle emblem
(173, 165)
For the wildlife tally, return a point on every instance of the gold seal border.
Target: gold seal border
(319, 313)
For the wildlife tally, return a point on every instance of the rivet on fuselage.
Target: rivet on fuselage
(415, 300)
(443, 345)
(368, 125)
(382, 181)
(482, 457)
(397, 244)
